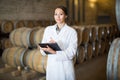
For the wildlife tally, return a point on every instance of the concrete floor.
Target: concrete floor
(94, 69)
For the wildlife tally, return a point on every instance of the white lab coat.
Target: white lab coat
(60, 65)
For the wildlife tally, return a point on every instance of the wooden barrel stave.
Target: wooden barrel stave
(93, 33)
(100, 32)
(25, 36)
(38, 36)
(19, 57)
(11, 36)
(85, 35)
(20, 37)
(102, 48)
(15, 36)
(30, 23)
(93, 48)
(97, 48)
(4, 54)
(88, 51)
(113, 61)
(107, 46)
(117, 8)
(79, 34)
(13, 56)
(32, 38)
(81, 54)
(36, 61)
(6, 43)
(19, 24)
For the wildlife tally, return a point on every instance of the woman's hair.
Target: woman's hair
(64, 9)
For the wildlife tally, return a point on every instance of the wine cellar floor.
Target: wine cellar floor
(94, 69)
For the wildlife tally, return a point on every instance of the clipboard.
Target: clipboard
(54, 46)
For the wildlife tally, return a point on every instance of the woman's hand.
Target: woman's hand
(52, 40)
(48, 49)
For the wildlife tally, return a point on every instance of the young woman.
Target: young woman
(60, 64)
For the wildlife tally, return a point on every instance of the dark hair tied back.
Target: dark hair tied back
(64, 9)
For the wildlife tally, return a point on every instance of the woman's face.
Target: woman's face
(59, 16)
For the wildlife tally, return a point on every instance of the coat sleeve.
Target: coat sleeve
(70, 52)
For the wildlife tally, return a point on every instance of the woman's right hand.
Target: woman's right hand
(52, 40)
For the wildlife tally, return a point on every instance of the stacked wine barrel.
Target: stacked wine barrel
(24, 51)
(22, 57)
(94, 40)
(19, 44)
(7, 26)
(26, 37)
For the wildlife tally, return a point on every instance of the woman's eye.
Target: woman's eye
(61, 14)
(58, 14)
(55, 14)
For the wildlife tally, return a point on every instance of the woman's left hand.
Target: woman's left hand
(48, 49)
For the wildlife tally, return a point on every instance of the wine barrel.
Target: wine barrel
(103, 47)
(94, 48)
(36, 36)
(88, 51)
(80, 54)
(13, 56)
(85, 52)
(37, 23)
(113, 31)
(85, 31)
(7, 26)
(117, 32)
(118, 13)
(19, 24)
(92, 35)
(97, 51)
(85, 34)
(6, 43)
(113, 61)
(32, 34)
(20, 37)
(30, 24)
(102, 32)
(25, 37)
(100, 47)
(109, 30)
(35, 60)
(79, 34)
(107, 46)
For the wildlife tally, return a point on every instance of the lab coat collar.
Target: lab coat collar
(61, 28)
